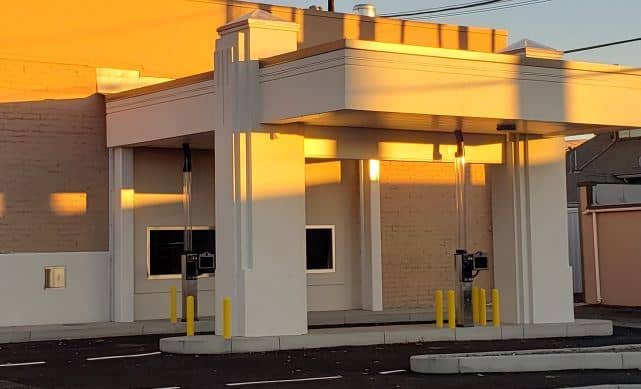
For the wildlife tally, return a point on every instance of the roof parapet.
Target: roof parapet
(532, 49)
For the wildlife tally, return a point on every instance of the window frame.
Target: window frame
(171, 276)
(331, 227)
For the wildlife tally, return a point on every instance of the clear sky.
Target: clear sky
(562, 24)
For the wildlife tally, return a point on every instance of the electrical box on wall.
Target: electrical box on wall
(55, 277)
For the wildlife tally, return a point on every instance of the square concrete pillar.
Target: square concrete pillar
(260, 189)
(529, 217)
(122, 233)
(371, 257)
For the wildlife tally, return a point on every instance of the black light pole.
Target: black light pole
(330, 5)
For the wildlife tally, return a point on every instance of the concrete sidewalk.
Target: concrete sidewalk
(388, 334)
(615, 357)
(204, 325)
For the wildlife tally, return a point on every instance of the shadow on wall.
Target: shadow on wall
(418, 226)
(177, 39)
(54, 181)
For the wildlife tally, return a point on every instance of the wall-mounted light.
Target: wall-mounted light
(374, 169)
(506, 127)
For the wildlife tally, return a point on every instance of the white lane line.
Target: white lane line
(123, 356)
(23, 364)
(169, 387)
(392, 372)
(336, 377)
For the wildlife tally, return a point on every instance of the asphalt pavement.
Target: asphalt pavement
(134, 362)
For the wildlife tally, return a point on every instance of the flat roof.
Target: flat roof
(183, 81)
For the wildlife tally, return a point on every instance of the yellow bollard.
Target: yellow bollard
(190, 315)
(496, 309)
(227, 318)
(173, 315)
(451, 309)
(482, 307)
(438, 307)
(475, 305)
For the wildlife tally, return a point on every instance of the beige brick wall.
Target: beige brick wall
(419, 229)
(53, 159)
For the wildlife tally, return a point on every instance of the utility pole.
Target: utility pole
(330, 5)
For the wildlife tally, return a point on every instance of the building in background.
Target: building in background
(315, 130)
(604, 210)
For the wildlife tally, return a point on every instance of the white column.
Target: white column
(122, 201)
(260, 190)
(531, 267)
(371, 258)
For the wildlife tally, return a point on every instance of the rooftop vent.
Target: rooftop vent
(365, 10)
(532, 49)
(316, 7)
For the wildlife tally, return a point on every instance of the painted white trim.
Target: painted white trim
(177, 276)
(597, 265)
(324, 227)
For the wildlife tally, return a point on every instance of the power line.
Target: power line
(488, 9)
(602, 45)
(427, 9)
(443, 9)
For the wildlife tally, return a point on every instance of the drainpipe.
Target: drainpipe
(597, 267)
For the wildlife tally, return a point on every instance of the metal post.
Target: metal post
(190, 315)
(496, 309)
(451, 309)
(482, 307)
(227, 318)
(188, 260)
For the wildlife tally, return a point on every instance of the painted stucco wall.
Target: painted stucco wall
(418, 225)
(25, 301)
(158, 203)
(332, 198)
(619, 247)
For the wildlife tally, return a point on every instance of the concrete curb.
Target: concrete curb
(365, 336)
(620, 357)
(35, 333)
(97, 330)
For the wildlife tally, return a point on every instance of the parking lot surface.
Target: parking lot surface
(135, 362)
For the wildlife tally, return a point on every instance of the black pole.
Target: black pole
(330, 5)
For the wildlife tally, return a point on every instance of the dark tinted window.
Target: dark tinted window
(166, 246)
(320, 255)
